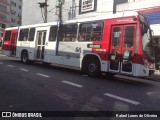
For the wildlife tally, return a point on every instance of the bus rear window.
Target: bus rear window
(7, 36)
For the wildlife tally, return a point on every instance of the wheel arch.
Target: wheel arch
(24, 50)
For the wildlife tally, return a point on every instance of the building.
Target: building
(16, 12)
(10, 14)
(4, 16)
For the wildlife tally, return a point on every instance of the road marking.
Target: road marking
(24, 69)
(73, 84)
(43, 75)
(1, 63)
(122, 99)
(10, 65)
(85, 75)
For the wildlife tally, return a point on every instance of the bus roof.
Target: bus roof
(11, 28)
(39, 25)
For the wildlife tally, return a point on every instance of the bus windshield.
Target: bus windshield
(147, 42)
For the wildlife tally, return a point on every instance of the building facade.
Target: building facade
(10, 14)
(16, 12)
(4, 16)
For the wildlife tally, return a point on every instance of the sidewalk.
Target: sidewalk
(155, 76)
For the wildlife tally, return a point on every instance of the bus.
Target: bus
(118, 43)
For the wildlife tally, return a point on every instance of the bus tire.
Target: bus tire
(24, 57)
(46, 63)
(92, 67)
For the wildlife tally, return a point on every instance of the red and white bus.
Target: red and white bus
(118, 43)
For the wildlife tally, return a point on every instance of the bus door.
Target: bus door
(13, 43)
(9, 42)
(41, 39)
(122, 48)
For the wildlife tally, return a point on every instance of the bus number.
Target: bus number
(78, 49)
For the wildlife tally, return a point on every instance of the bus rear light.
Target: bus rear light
(100, 50)
(5, 43)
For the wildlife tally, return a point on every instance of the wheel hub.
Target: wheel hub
(92, 67)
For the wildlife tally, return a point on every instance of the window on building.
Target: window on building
(91, 31)
(53, 33)
(23, 36)
(3, 17)
(1, 35)
(31, 34)
(13, 12)
(13, 20)
(2, 25)
(69, 33)
(2, 7)
(19, 7)
(13, 3)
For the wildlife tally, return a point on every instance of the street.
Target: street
(35, 87)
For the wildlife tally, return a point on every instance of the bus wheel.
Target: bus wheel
(46, 64)
(24, 57)
(92, 67)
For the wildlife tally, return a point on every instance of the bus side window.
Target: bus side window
(23, 36)
(69, 33)
(91, 31)
(31, 34)
(7, 36)
(53, 33)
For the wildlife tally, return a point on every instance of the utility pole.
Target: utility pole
(59, 7)
(43, 6)
(45, 13)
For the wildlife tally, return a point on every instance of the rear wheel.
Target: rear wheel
(24, 57)
(92, 67)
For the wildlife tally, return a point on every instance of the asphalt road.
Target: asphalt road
(35, 87)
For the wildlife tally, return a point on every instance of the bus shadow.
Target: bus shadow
(105, 77)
